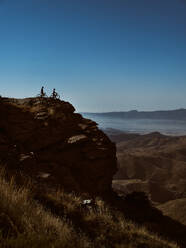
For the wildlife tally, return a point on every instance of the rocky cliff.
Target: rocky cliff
(45, 139)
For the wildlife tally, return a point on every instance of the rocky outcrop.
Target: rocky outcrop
(45, 139)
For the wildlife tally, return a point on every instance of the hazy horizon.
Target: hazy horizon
(101, 55)
(116, 111)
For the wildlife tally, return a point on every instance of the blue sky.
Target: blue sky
(101, 55)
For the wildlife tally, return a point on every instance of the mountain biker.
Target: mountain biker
(42, 91)
(54, 93)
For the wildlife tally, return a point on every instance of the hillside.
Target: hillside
(58, 160)
(155, 163)
(26, 223)
(176, 209)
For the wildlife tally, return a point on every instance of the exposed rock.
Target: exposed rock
(83, 126)
(59, 151)
(77, 138)
(41, 116)
(44, 175)
(25, 156)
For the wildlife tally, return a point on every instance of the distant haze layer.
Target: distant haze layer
(166, 122)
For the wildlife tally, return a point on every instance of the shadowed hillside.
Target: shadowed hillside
(153, 163)
(59, 159)
(176, 209)
(62, 222)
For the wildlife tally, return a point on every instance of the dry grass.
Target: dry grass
(64, 223)
(35, 225)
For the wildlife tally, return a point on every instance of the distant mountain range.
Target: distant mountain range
(178, 114)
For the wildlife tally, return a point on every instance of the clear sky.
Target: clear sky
(101, 55)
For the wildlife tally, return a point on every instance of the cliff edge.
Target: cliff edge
(45, 139)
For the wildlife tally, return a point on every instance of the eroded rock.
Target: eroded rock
(77, 138)
(70, 151)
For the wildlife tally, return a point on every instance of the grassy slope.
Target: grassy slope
(69, 225)
(176, 209)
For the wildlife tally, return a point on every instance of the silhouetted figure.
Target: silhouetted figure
(55, 95)
(42, 91)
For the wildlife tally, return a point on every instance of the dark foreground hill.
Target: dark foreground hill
(63, 223)
(59, 159)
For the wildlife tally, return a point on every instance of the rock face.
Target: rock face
(44, 139)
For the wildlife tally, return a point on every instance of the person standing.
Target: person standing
(54, 94)
(42, 91)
